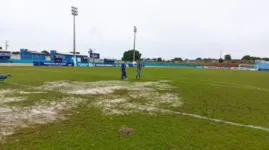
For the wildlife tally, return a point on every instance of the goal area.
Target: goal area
(248, 67)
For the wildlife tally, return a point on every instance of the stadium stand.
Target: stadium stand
(262, 65)
(67, 57)
(5, 56)
(30, 56)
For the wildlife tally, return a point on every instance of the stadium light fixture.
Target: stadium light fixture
(74, 11)
(135, 30)
(6, 44)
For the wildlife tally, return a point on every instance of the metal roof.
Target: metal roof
(35, 52)
(71, 54)
(4, 51)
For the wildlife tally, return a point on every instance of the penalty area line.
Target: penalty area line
(223, 121)
(217, 120)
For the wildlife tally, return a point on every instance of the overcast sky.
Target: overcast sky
(166, 28)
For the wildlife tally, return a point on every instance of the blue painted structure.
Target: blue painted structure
(83, 64)
(30, 56)
(262, 65)
(51, 64)
(5, 56)
(25, 61)
(67, 58)
(27, 56)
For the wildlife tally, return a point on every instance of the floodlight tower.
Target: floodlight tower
(74, 11)
(135, 30)
(6, 45)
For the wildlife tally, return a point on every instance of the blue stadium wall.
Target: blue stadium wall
(29, 57)
(5, 56)
(263, 65)
(67, 58)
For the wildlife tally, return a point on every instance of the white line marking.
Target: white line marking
(193, 115)
(223, 121)
(216, 120)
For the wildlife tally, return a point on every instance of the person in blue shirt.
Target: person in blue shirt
(123, 71)
(4, 77)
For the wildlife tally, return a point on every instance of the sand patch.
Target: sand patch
(8, 91)
(11, 99)
(41, 113)
(143, 94)
(22, 92)
(140, 97)
(137, 97)
(101, 87)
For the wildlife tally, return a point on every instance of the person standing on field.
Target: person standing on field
(138, 70)
(123, 71)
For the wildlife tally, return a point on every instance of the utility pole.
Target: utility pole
(93, 56)
(6, 45)
(220, 53)
(135, 30)
(74, 11)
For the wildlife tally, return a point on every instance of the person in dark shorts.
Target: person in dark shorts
(123, 71)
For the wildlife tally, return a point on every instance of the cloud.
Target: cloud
(170, 28)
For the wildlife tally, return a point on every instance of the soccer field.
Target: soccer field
(169, 108)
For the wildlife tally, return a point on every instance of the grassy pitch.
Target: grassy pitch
(169, 108)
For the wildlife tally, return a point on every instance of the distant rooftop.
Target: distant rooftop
(71, 54)
(1, 50)
(35, 52)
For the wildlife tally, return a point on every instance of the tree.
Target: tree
(128, 55)
(159, 59)
(220, 60)
(154, 59)
(228, 57)
(178, 59)
(45, 52)
(266, 59)
(147, 59)
(207, 60)
(15, 53)
(246, 57)
(255, 58)
(199, 59)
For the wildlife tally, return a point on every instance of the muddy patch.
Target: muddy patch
(4, 99)
(43, 112)
(134, 97)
